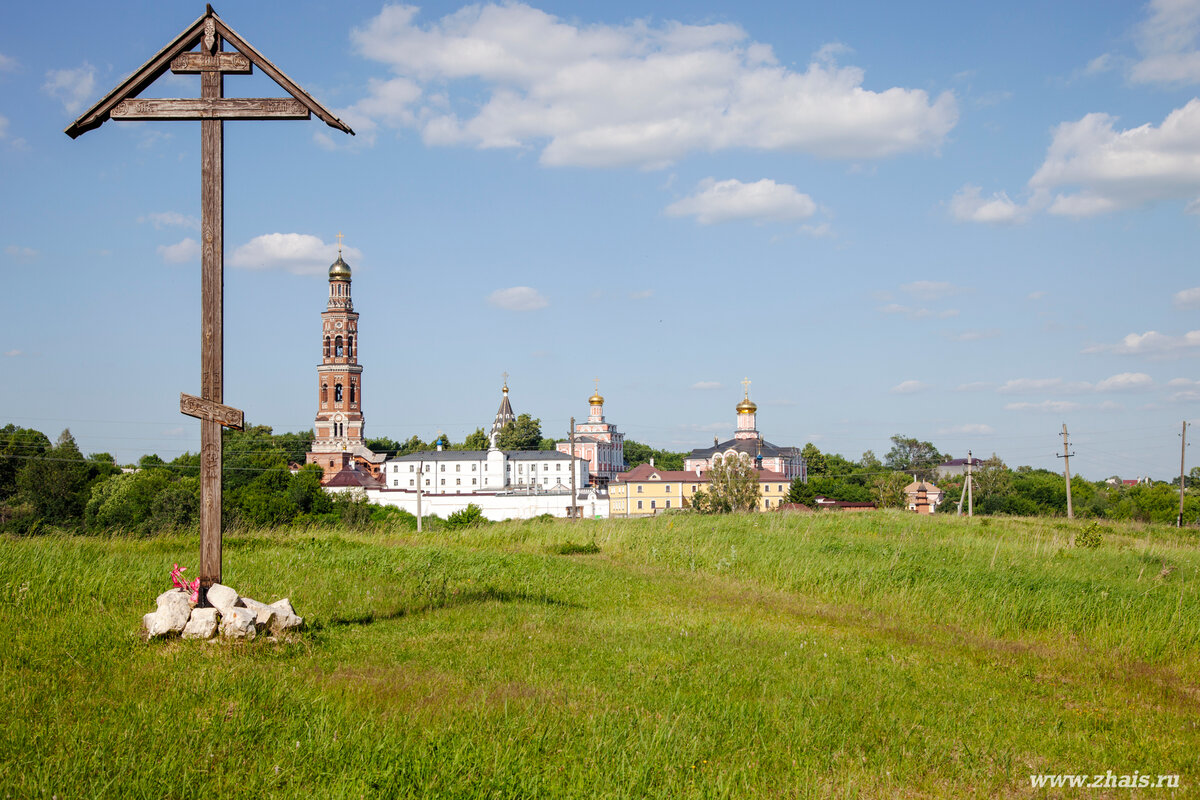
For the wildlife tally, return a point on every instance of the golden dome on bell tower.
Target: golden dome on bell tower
(339, 270)
(747, 405)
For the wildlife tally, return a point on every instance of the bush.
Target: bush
(1090, 536)
(467, 517)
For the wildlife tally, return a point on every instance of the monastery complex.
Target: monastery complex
(586, 475)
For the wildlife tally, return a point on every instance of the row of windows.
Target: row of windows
(337, 392)
(667, 488)
(338, 349)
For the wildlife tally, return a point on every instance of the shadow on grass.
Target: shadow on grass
(459, 600)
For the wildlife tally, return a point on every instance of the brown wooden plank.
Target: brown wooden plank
(276, 74)
(229, 63)
(212, 310)
(203, 108)
(227, 416)
(137, 82)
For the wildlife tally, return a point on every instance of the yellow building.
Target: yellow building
(646, 490)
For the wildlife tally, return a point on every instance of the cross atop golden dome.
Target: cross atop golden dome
(596, 399)
(747, 405)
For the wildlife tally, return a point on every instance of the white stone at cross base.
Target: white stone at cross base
(171, 615)
(222, 598)
(202, 624)
(238, 623)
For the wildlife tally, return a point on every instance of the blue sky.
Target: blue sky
(962, 222)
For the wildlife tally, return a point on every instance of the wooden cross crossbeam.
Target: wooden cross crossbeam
(225, 416)
(211, 63)
(211, 108)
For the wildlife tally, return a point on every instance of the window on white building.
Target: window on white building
(443, 481)
(458, 467)
(458, 481)
(395, 482)
(411, 482)
(472, 481)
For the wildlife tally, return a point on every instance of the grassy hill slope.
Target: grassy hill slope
(878, 655)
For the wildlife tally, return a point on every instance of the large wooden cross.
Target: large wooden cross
(209, 33)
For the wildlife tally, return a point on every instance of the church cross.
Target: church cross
(746, 387)
(340, 236)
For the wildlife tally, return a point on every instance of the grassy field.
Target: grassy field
(874, 655)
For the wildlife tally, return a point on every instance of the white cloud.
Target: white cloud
(969, 205)
(1180, 383)
(297, 253)
(13, 353)
(643, 294)
(931, 290)
(1038, 295)
(3, 127)
(518, 298)
(1167, 43)
(71, 87)
(1122, 382)
(1045, 405)
(7, 63)
(1188, 298)
(1055, 385)
(17, 251)
(1104, 169)
(973, 336)
(706, 385)
(1151, 343)
(168, 219)
(723, 201)
(642, 94)
(918, 313)
(182, 252)
(909, 387)
(977, 429)
(1093, 168)
(1125, 382)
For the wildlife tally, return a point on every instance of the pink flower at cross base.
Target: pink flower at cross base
(191, 586)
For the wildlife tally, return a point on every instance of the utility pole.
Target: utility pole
(1066, 457)
(1182, 451)
(970, 487)
(420, 477)
(573, 511)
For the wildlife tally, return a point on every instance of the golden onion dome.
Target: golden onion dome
(339, 270)
(747, 406)
(596, 399)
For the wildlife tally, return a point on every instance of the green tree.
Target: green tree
(732, 484)
(813, 459)
(914, 457)
(523, 433)
(58, 482)
(638, 453)
(992, 478)
(383, 444)
(869, 462)
(888, 489)
(476, 441)
(18, 446)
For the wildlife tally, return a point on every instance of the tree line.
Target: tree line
(997, 489)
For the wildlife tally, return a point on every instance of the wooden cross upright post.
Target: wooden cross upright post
(212, 63)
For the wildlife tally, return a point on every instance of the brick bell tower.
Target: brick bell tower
(339, 443)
